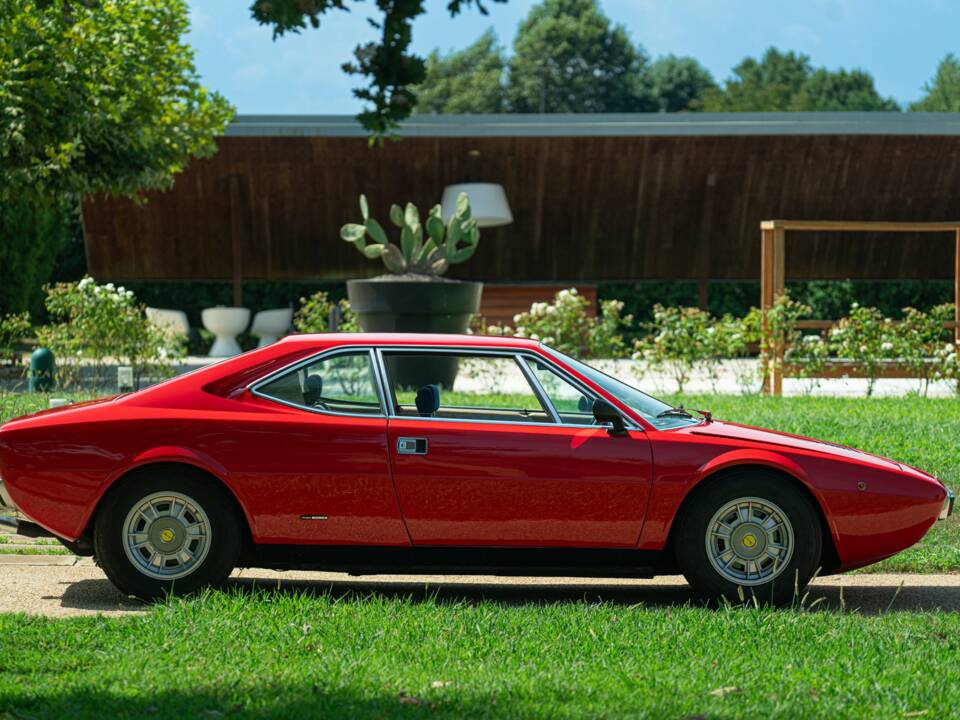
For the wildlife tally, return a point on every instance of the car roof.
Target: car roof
(425, 339)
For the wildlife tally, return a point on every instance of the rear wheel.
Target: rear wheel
(749, 534)
(167, 531)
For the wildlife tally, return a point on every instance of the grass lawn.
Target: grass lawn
(281, 653)
(918, 431)
(292, 655)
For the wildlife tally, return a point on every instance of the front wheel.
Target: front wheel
(749, 535)
(167, 531)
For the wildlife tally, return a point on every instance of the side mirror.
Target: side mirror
(604, 412)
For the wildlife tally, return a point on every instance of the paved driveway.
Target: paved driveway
(65, 585)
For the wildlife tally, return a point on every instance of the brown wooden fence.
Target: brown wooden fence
(585, 208)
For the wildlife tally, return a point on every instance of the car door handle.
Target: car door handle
(411, 446)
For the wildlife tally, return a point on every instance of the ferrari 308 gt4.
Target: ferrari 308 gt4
(445, 453)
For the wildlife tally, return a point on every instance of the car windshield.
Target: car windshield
(656, 412)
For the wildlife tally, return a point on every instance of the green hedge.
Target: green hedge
(32, 231)
(830, 299)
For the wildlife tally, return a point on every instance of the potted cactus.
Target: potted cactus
(414, 296)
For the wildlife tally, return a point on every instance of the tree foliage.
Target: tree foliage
(99, 97)
(389, 67)
(786, 81)
(942, 93)
(467, 81)
(32, 230)
(568, 58)
(677, 83)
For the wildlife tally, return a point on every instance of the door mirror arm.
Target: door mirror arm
(604, 412)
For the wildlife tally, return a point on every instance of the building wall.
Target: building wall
(585, 208)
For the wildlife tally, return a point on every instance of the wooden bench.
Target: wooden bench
(500, 303)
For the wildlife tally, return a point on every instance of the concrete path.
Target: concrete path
(65, 585)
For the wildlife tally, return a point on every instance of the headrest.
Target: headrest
(428, 400)
(312, 389)
(585, 404)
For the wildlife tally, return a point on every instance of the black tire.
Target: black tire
(690, 541)
(223, 542)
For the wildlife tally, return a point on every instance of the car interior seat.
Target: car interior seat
(313, 391)
(428, 400)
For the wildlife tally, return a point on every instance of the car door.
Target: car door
(489, 462)
(316, 466)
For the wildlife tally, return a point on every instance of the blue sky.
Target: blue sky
(899, 41)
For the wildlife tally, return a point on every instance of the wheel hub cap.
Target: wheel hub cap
(749, 541)
(166, 535)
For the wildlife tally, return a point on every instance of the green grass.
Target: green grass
(274, 654)
(10, 549)
(918, 431)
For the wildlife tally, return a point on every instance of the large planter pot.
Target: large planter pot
(427, 306)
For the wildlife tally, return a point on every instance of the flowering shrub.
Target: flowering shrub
(314, 315)
(101, 323)
(782, 330)
(735, 338)
(13, 328)
(946, 363)
(920, 338)
(867, 338)
(679, 342)
(566, 326)
(809, 356)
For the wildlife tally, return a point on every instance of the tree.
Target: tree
(677, 83)
(769, 84)
(102, 98)
(468, 81)
(390, 69)
(942, 93)
(787, 82)
(841, 90)
(568, 58)
(96, 96)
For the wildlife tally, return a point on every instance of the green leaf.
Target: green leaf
(463, 207)
(351, 232)
(407, 244)
(459, 256)
(393, 259)
(396, 215)
(428, 248)
(453, 231)
(435, 228)
(376, 232)
(364, 210)
(411, 215)
(373, 251)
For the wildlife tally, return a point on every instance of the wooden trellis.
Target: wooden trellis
(773, 267)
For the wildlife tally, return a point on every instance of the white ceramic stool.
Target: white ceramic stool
(270, 325)
(226, 323)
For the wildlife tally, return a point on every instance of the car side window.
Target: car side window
(462, 386)
(341, 383)
(573, 406)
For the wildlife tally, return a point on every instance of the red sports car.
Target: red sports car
(435, 453)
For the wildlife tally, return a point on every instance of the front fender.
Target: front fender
(670, 491)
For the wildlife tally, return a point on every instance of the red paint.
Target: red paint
(481, 484)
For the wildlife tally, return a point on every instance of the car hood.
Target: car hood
(746, 433)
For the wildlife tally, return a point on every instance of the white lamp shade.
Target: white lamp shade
(488, 203)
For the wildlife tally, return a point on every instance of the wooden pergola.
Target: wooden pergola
(773, 267)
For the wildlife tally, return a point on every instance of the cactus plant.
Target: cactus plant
(427, 249)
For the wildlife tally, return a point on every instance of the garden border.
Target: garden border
(773, 269)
